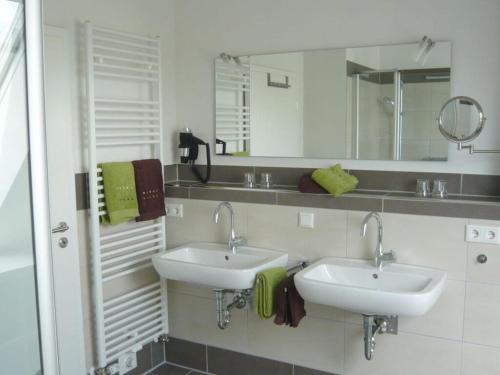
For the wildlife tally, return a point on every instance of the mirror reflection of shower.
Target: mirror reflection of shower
(388, 104)
(394, 113)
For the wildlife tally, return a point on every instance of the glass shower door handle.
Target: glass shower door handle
(61, 227)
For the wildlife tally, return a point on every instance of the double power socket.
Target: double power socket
(482, 234)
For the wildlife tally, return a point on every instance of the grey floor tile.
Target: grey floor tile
(225, 362)
(297, 370)
(168, 369)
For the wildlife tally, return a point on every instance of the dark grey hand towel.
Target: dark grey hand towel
(289, 303)
(149, 187)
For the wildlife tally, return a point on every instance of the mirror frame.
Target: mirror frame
(475, 133)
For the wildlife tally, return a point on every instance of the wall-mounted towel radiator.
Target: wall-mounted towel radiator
(124, 123)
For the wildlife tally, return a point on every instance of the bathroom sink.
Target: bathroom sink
(358, 286)
(214, 265)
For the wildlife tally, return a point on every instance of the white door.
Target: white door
(69, 316)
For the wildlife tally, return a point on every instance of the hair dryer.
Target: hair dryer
(188, 149)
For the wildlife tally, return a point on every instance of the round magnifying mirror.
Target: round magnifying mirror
(461, 119)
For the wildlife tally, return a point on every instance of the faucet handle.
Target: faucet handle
(389, 256)
(239, 241)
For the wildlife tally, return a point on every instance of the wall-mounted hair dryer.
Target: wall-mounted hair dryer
(188, 150)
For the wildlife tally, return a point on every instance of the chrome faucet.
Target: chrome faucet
(234, 241)
(380, 257)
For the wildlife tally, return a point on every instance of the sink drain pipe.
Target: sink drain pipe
(373, 324)
(223, 310)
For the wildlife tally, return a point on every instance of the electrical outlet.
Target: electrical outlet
(174, 210)
(482, 234)
(127, 362)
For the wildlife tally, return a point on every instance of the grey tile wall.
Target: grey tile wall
(170, 173)
(205, 359)
(150, 359)
(481, 185)
(402, 181)
(82, 189)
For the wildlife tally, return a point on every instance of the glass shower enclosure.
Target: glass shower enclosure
(19, 331)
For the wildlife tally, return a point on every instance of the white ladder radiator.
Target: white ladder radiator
(124, 124)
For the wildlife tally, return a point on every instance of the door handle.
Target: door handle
(61, 227)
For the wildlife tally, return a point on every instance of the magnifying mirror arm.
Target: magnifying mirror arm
(472, 150)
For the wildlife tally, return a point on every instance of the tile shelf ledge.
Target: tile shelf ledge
(456, 205)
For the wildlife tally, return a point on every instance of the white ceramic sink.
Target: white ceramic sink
(356, 285)
(216, 266)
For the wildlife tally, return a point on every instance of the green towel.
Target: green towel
(265, 291)
(241, 153)
(119, 192)
(335, 180)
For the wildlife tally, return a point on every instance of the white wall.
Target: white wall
(206, 28)
(150, 17)
(459, 335)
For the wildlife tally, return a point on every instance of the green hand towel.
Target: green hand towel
(119, 192)
(335, 180)
(241, 153)
(265, 291)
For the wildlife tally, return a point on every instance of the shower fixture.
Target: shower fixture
(424, 48)
(388, 104)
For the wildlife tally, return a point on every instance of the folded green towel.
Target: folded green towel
(335, 180)
(119, 192)
(265, 291)
(241, 153)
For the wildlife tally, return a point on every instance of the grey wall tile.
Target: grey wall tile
(176, 191)
(246, 196)
(481, 185)
(225, 362)
(402, 181)
(489, 211)
(219, 173)
(170, 172)
(297, 370)
(157, 353)
(186, 353)
(143, 361)
(355, 203)
(283, 176)
(82, 188)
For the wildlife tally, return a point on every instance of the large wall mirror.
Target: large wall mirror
(369, 103)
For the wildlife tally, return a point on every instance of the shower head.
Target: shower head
(388, 104)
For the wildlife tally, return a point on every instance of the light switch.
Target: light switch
(306, 220)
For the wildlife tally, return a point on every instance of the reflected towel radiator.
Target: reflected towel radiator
(124, 123)
(232, 112)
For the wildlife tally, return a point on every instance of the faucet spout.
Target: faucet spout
(234, 241)
(379, 257)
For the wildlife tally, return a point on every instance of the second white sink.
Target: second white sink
(356, 285)
(214, 265)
